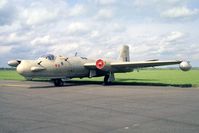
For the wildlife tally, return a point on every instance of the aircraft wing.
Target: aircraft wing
(129, 66)
(141, 64)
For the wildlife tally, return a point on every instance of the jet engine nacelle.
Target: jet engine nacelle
(185, 66)
(103, 65)
(14, 63)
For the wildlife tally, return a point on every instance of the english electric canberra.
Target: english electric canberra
(58, 68)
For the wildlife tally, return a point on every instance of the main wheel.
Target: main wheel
(58, 82)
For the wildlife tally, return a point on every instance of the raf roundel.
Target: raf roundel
(100, 64)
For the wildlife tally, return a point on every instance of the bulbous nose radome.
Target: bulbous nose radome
(20, 69)
(23, 68)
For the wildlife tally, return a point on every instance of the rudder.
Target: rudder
(124, 54)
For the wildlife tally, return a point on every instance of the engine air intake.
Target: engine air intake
(100, 64)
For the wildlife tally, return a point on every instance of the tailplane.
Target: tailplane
(124, 54)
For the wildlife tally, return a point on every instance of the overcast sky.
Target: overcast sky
(154, 29)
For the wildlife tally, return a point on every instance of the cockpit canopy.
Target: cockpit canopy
(48, 56)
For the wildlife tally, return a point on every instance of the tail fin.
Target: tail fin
(124, 54)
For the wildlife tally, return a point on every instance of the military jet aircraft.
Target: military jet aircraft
(58, 68)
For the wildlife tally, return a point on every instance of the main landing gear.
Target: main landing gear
(58, 82)
(109, 78)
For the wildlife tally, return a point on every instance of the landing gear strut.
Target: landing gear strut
(58, 82)
(109, 78)
(106, 82)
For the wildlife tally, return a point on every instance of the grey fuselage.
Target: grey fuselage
(60, 67)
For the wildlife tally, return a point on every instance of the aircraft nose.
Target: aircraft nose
(23, 68)
(20, 69)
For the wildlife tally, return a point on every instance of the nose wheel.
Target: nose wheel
(58, 82)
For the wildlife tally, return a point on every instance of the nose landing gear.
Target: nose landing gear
(58, 82)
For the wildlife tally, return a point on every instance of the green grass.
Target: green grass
(157, 77)
(150, 76)
(162, 76)
(10, 75)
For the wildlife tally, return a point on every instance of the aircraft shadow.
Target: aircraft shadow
(66, 84)
(135, 82)
(128, 79)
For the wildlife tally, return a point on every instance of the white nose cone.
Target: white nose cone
(20, 69)
(185, 66)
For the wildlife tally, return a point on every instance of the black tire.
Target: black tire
(58, 82)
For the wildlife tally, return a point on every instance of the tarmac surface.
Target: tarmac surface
(39, 107)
